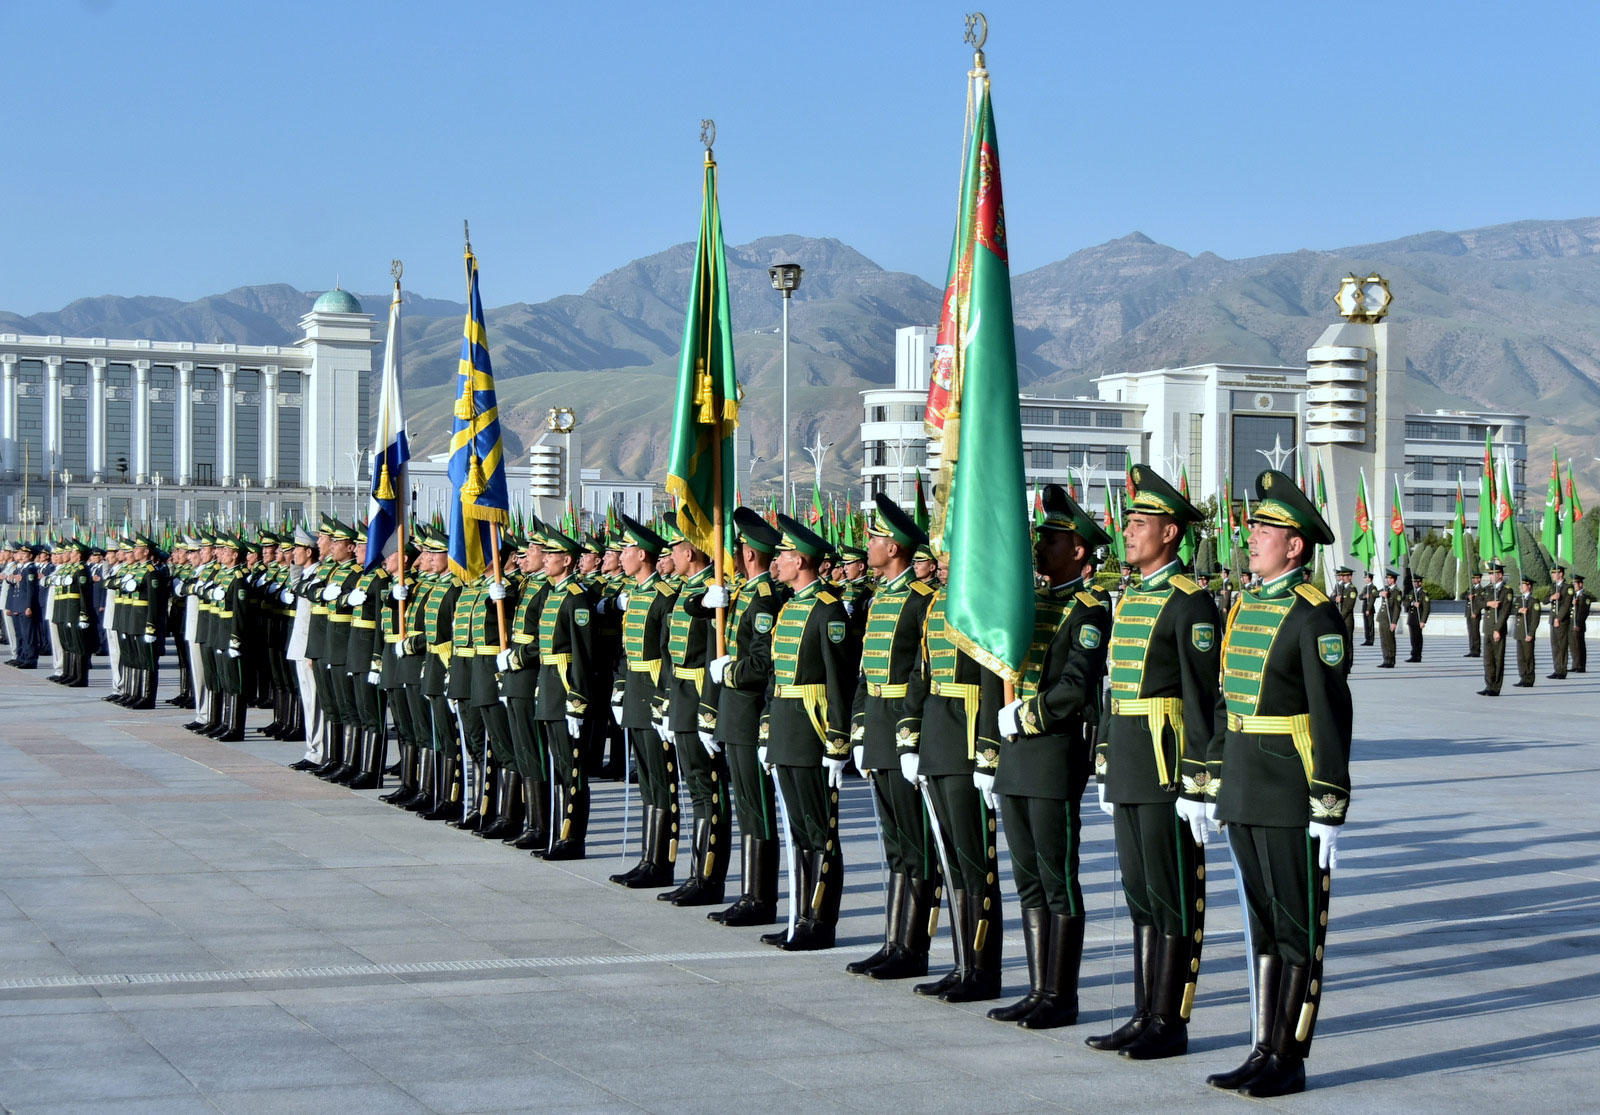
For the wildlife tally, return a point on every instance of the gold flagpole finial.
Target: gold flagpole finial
(977, 34)
(396, 268)
(466, 234)
(708, 135)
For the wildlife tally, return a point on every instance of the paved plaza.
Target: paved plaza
(189, 926)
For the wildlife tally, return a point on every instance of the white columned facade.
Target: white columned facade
(52, 413)
(269, 426)
(226, 401)
(8, 413)
(183, 452)
(139, 436)
(97, 418)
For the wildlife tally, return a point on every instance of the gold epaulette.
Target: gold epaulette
(922, 588)
(764, 589)
(1311, 592)
(1183, 584)
(575, 589)
(665, 589)
(1088, 599)
(826, 597)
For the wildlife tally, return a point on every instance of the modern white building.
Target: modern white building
(1443, 446)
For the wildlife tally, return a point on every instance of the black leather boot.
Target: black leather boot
(959, 944)
(535, 827)
(1284, 1071)
(917, 925)
(758, 870)
(574, 831)
(507, 809)
(334, 758)
(702, 830)
(800, 901)
(661, 852)
(710, 862)
(1036, 940)
(446, 790)
(1269, 976)
(421, 796)
(1144, 968)
(374, 750)
(818, 925)
(1059, 1006)
(408, 776)
(474, 782)
(647, 822)
(985, 931)
(558, 808)
(1167, 1034)
(893, 919)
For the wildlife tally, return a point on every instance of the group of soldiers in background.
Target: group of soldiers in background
(759, 695)
(1495, 615)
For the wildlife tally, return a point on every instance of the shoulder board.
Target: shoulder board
(826, 597)
(1183, 584)
(763, 589)
(1311, 592)
(1089, 600)
(575, 589)
(922, 588)
(666, 589)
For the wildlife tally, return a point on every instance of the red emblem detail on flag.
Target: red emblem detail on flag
(991, 209)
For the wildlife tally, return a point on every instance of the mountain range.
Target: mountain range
(1505, 317)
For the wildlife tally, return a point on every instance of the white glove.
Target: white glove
(716, 597)
(286, 597)
(330, 592)
(909, 761)
(1327, 838)
(711, 745)
(497, 590)
(401, 649)
(616, 711)
(217, 594)
(233, 652)
(622, 601)
(835, 769)
(718, 668)
(1105, 806)
(574, 727)
(374, 677)
(983, 780)
(400, 591)
(849, 608)
(761, 756)
(859, 754)
(84, 624)
(1193, 813)
(1010, 720)
(147, 638)
(502, 661)
(358, 598)
(1211, 817)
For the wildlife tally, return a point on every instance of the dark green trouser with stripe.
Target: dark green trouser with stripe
(1279, 868)
(1157, 867)
(907, 836)
(752, 792)
(1042, 834)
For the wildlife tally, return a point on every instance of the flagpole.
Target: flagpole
(400, 504)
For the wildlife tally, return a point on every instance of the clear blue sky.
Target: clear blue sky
(183, 148)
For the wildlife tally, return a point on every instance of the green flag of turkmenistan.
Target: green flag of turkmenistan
(989, 597)
(1488, 533)
(1458, 525)
(1550, 535)
(1363, 540)
(700, 468)
(1570, 513)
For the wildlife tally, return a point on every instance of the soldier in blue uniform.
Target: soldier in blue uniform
(1151, 765)
(1045, 761)
(1279, 777)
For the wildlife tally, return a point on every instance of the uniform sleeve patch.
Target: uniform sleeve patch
(836, 630)
(1330, 648)
(1203, 635)
(763, 623)
(1088, 636)
(580, 616)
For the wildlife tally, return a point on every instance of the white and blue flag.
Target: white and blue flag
(386, 510)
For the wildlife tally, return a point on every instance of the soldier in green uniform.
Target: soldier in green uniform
(231, 595)
(519, 683)
(647, 605)
(1418, 608)
(948, 728)
(1560, 603)
(1527, 623)
(566, 626)
(1580, 621)
(689, 644)
(925, 566)
(1391, 607)
(434, 641)
(1345, 599)
(399, 674)
(73, 613)
(892, 646)
(181, 568)
(501, 805)
(1046, 760)
(1150, 762)
(805, 732)
(1279, 778)
(1496, 630)
(734, 702)
(340, 573)
(1474, 600)
(1369, 608)
(366, 600)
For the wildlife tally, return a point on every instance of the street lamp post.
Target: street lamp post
(66, 492)
(356, 457)
(818, 453)
(155, 515)
(244, 496)
(786, 280)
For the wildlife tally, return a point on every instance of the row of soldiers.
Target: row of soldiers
(760, 695)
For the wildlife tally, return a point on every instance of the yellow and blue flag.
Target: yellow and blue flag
(480, 503)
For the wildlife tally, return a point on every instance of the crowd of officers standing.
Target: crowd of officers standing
(510, 692)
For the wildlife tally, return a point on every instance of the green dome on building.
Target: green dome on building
(336, 301)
